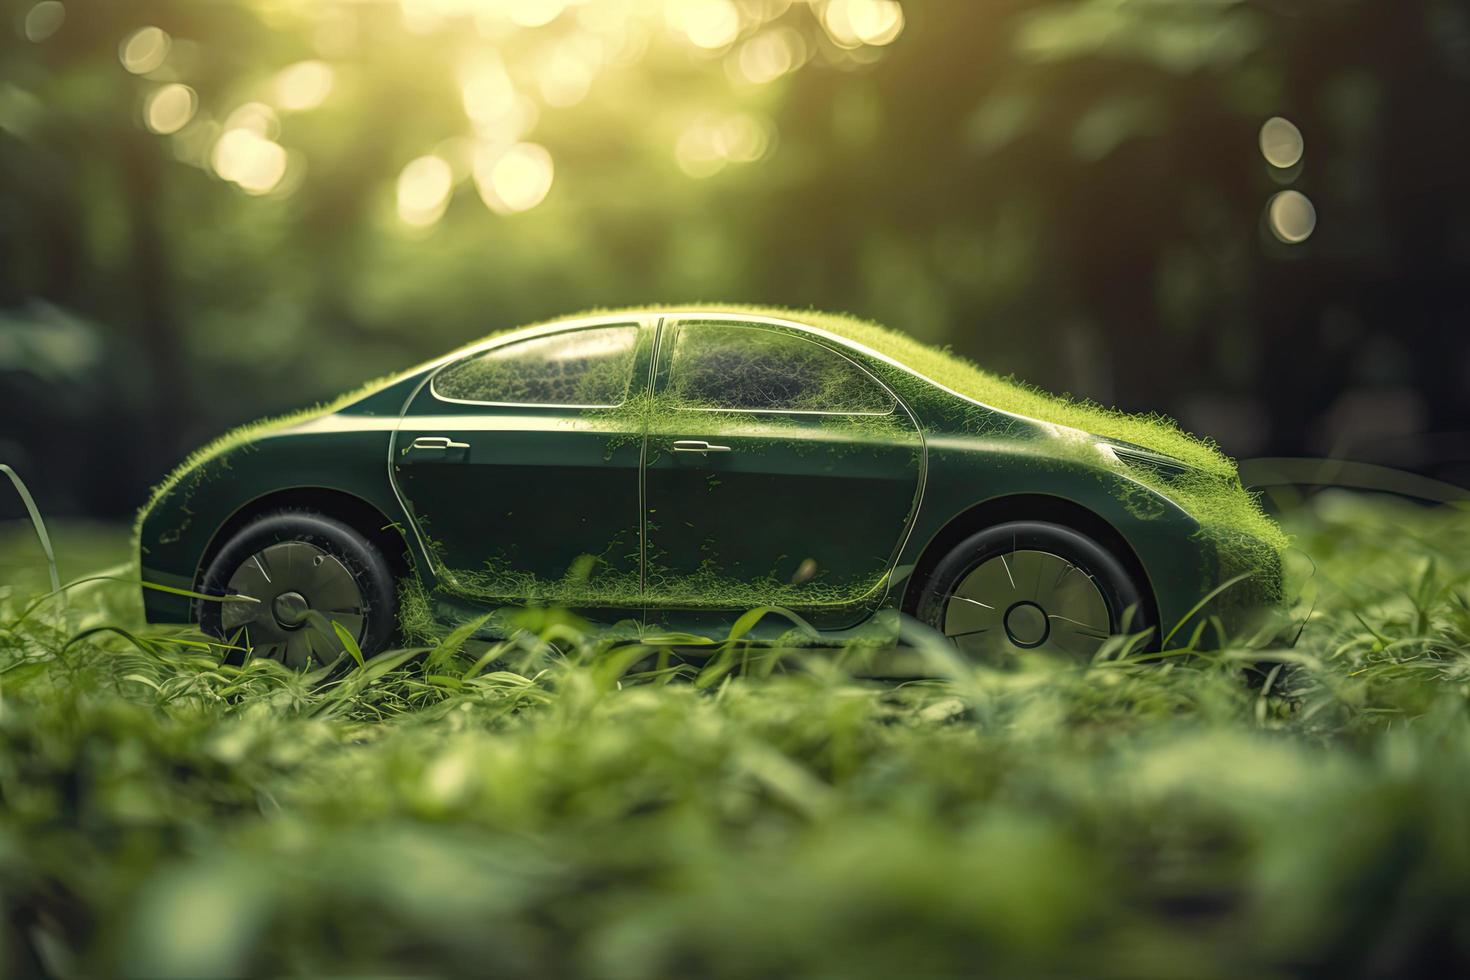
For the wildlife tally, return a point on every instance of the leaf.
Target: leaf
(348, 642)
(610, 668)
(142, 680)
(1217, 590)
(456, 639)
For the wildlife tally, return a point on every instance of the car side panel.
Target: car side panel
(967, 472)
(344, 453)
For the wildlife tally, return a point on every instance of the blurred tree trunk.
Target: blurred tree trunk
(156, 322)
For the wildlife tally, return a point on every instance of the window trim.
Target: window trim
(635, 326)
(779, 331)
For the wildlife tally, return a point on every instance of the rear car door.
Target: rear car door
(520, 468)
(780, 471)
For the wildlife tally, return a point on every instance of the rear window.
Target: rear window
(746, 368)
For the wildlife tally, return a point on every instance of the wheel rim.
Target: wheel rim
(299, 591)
(1024, 603)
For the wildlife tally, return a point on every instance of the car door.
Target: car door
(780, 471)
(519, 465)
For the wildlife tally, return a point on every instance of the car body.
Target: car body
(677, 467)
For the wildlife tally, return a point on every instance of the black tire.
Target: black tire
(366, 564)
(1128, 606)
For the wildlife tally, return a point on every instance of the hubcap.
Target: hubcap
(291, 609)
(1026, 624)
(300, 590)
(1027, 602)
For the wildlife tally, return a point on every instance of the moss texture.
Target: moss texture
(192, 470)
(1209, 488)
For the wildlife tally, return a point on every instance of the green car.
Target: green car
(678, 467)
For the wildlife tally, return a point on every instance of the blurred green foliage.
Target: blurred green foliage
(556, 804)
(1069, 189)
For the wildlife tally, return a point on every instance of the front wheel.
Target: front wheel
(1031, 588)
(287, 578)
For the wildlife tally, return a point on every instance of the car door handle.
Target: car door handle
(440, 446)
(698, 446)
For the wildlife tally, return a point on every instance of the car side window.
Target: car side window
(749, 368)
(587, 368)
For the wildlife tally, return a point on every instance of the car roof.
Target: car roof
(938, 368)
(648, 316)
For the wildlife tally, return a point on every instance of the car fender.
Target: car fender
(967, 475)
(343, 454)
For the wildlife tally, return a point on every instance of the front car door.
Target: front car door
(779, 472)
(520, 467)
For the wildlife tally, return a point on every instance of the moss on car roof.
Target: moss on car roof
(961, 375)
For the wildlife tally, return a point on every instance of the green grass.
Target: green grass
(551, 806)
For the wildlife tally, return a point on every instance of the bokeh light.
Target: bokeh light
(195, 142)
(709, 24)
(698, 152)
(854, 23)
(257, 117)
(169, 108)
(44, 20)
(771, 54)
(304, 85)
(565, 76)
(144, 50)
(743, 138)
(1292, 217)
(249, 160)
(875, 22)
(513, 61)
(485, 89)
(424, 186)
(534, 13)
(1281, 143)
(516, 178)
(704, 148)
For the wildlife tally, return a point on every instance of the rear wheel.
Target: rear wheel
(1031, 589)
(293, 574)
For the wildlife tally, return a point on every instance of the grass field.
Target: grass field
(539, 808)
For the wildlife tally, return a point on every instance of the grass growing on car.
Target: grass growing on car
(558, 804)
